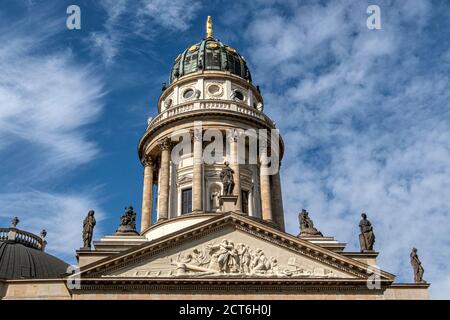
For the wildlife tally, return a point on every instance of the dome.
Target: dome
(210, 54)
(22, 257)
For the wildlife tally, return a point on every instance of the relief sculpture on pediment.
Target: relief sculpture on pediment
(239, 260)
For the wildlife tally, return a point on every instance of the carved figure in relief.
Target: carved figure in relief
(227, 259)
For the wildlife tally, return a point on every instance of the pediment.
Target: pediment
(229, 246)
(228, 253)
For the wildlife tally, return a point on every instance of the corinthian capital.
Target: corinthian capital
(165, 144)
(147, 160)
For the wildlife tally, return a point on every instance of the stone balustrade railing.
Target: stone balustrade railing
(230, 106)
(26, 238)
(4, 234)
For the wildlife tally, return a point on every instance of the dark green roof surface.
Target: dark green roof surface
(20, 262)
(210, 54)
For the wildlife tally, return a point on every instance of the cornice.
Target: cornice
(168, 124)
(247, 285)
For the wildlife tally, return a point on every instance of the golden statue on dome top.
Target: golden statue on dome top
(209, 27)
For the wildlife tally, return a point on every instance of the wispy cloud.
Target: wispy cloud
(366, 122)
(47, 101)
(142, 19)
(172, 15)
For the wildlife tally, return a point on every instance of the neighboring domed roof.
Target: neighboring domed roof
(210, 54)
(21, 258)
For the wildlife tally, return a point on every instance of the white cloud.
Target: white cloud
(108, 41)
(366, 126)
(47, 101)
(61, 215)
(172, 15)
(141, 19)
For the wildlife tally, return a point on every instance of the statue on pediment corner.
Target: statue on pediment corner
(88, 229)
(128, 221)
(417, 267)
(307, 228)
(367, 236)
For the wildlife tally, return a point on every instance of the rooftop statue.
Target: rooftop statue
(88, 229)
(417, 267)
(307, 225)
(14, 222)
(367, 237)
(128, 221)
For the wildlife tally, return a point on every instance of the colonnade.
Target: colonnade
(270, 186)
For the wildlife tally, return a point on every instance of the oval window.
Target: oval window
(188, 93)
(213, 89)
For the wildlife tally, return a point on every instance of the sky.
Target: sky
(364, 114)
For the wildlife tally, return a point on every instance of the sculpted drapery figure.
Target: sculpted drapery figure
(128, 221)
(417, 267)
(306, 225)
(226, 176)
(88, 229)
(223, 254)
(229, 259)
(367, 237)
(215, 201)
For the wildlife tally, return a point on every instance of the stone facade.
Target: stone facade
(225, 256)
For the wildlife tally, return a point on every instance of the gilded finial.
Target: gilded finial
(209, 27)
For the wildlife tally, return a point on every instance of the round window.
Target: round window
(188, 93)
(239, 95)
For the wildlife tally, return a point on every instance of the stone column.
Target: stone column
(234, 164)
(163, 201)
(197, 175)
(266, 200)
(277, 201)
(147, 193)
(264, 185)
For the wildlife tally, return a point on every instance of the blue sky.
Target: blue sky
(364, 113)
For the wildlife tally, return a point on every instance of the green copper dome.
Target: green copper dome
(210, 54)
